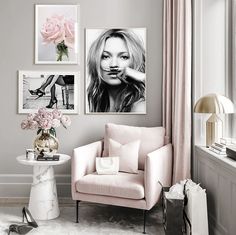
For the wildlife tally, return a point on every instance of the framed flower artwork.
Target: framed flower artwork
(48, 89)
(56, 34)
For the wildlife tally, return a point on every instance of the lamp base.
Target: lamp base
(214, 130)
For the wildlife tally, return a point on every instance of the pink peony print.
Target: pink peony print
(69, 33)
(60, 31)
(53, 30)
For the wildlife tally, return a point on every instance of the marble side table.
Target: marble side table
(43, 203)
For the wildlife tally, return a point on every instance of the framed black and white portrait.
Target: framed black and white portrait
(116, 71)
(37, 89)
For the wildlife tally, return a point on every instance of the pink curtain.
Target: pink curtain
(177, 31)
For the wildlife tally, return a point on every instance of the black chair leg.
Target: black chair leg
(144, 221)
(77, 211)
(67, 96)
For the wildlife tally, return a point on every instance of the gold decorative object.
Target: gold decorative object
(45, 142)
(215, 104)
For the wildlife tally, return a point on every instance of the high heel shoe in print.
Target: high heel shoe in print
(19, 228)
(29, 218)
(51, 103)
(37, 92)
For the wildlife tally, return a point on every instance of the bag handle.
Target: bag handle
(184, 214)
(163, 208)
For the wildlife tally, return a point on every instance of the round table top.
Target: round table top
(63, 158)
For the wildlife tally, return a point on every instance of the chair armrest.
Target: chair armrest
(83, 161)
(158, 167)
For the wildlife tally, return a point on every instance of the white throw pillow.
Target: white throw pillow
(151, 138)
(128, 154)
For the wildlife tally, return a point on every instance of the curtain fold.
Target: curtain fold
(177, 36)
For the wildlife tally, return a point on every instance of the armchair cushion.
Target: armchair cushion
(151, 138)
(127, 153)
(123, 185)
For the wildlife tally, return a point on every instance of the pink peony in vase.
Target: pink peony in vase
(46, 122)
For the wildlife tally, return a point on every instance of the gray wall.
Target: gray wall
(17, 53)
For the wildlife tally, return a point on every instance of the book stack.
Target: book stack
(48, 158)
(227, 147)
(228, 141)
(218, 148)
(231, 152)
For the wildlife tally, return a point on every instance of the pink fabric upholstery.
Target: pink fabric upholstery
(126, 190)
(121, 185)
(158, 167)
(127, 153)
(116, 201)
(83, 162)
(151, 138)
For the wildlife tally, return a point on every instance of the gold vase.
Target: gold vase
(45, 142)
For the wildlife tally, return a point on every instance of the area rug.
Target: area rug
(95, 219)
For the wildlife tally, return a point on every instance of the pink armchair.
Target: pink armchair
(140, 190)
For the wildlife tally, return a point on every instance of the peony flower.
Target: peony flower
(65, 120)
(30, 116)
(56, 123)
(69, 33)
(48, 115)
(53, 30)
(24, 124)
(56, 114)
(36, 117)
(42, 111)
(45, 123)
(32, 125)
(45, 119)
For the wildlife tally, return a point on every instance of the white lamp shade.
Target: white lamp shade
(214, 103)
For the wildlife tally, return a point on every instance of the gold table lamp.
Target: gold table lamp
(215, 104)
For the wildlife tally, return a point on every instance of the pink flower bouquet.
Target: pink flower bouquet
(60, 31)
(44, 119)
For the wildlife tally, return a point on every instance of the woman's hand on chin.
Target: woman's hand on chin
(131, 73)
(134, 74)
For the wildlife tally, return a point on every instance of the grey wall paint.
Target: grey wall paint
(17, 53)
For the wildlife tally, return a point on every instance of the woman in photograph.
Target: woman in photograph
(116, 70)
(52, 80)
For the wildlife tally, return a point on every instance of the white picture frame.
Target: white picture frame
(65, 94)
(92, 35)
(56, 45)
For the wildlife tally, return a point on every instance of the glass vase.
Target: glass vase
(45, 142)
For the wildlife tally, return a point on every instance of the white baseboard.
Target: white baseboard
(14, 201)
(18, 185)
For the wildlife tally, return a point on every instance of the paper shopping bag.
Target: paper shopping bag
(196, 211)
(173, 214)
